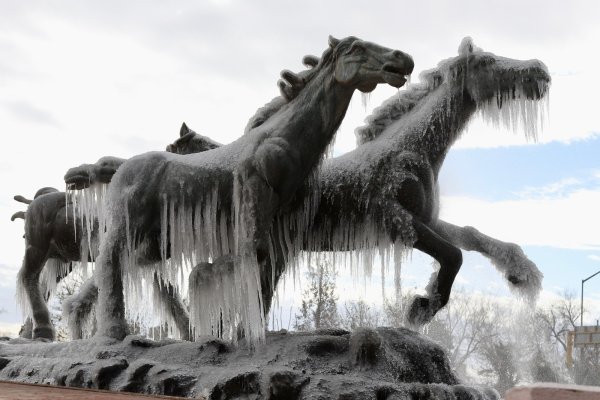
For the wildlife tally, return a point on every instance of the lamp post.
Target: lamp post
(582, 282)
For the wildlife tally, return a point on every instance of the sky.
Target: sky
(83, 79)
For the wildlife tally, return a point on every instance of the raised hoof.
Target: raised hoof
(420, 311)
(515, 280)
(43, 332)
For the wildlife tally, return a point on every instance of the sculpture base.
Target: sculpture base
(382, 363)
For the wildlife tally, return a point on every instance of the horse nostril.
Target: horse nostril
(397, 54)
(407, 61)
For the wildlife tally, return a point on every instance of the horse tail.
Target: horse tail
(18, 214)
(22, 199)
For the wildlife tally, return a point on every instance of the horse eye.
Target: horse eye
(355, 49)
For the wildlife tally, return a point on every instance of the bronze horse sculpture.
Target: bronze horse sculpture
(384, 195)
(396, 126)
(222, 202)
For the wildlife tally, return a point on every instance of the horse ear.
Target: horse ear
(466, 46)
(184, 130)
(310, 60)
(291, 77)
(333, 42)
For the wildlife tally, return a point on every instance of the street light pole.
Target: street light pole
(582, 282)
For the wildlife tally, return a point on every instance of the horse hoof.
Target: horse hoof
(420, 311)
(43, 332)
(515, 280)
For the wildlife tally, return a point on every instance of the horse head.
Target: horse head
(506, 91)
(190, 142)
(356, 63)
(101, 171)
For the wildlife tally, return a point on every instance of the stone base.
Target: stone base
(553, 391)
(381, 364)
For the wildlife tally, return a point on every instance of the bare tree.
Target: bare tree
(560, 318)
(499, 364)
(66, 288)
(360, 314)
(469, 322)
(319, 301)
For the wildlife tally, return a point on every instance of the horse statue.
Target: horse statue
(383, 196)
(53, 244)
(222, 201)
(87, 187)
(394, 127)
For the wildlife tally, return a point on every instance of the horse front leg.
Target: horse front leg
(255, 210)
(423, 309)
(171, 303)
(111, 304)
(30, 294)
(508, 258)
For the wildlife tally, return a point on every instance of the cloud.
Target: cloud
(568, 221)
(594, 257)
(29, 112)
(554, 189)
(8, 276)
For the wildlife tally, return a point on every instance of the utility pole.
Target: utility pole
(582, 282)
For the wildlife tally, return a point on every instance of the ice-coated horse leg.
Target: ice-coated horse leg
(29, 283)
(26, 331)
(78, 309)
(508, 258)
(171, 301)
(110, 313)
(423, 309)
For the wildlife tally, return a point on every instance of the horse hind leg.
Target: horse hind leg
(214, 300)
(26, 331)
(78, 310)
(171, 304)
(30, 295)
(423, 309)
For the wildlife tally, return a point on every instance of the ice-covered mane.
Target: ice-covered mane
(291, 83)
(513, 104)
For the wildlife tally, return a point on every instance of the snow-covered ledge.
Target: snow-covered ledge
(553, 391)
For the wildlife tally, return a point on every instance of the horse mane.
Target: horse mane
(396, 106)
(291, 84)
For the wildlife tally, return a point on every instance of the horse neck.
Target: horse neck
(311, 120)
(435, 125)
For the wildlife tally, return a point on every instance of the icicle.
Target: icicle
(513, 110)
(365, 99)
(89, 211)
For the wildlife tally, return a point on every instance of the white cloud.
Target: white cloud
(8, 276)
(565, 222)
(594, 257)
(10, 330)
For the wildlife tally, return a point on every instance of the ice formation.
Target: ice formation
(89, 211)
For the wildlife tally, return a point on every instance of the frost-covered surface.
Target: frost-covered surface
(372, 364)
(524, 278)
